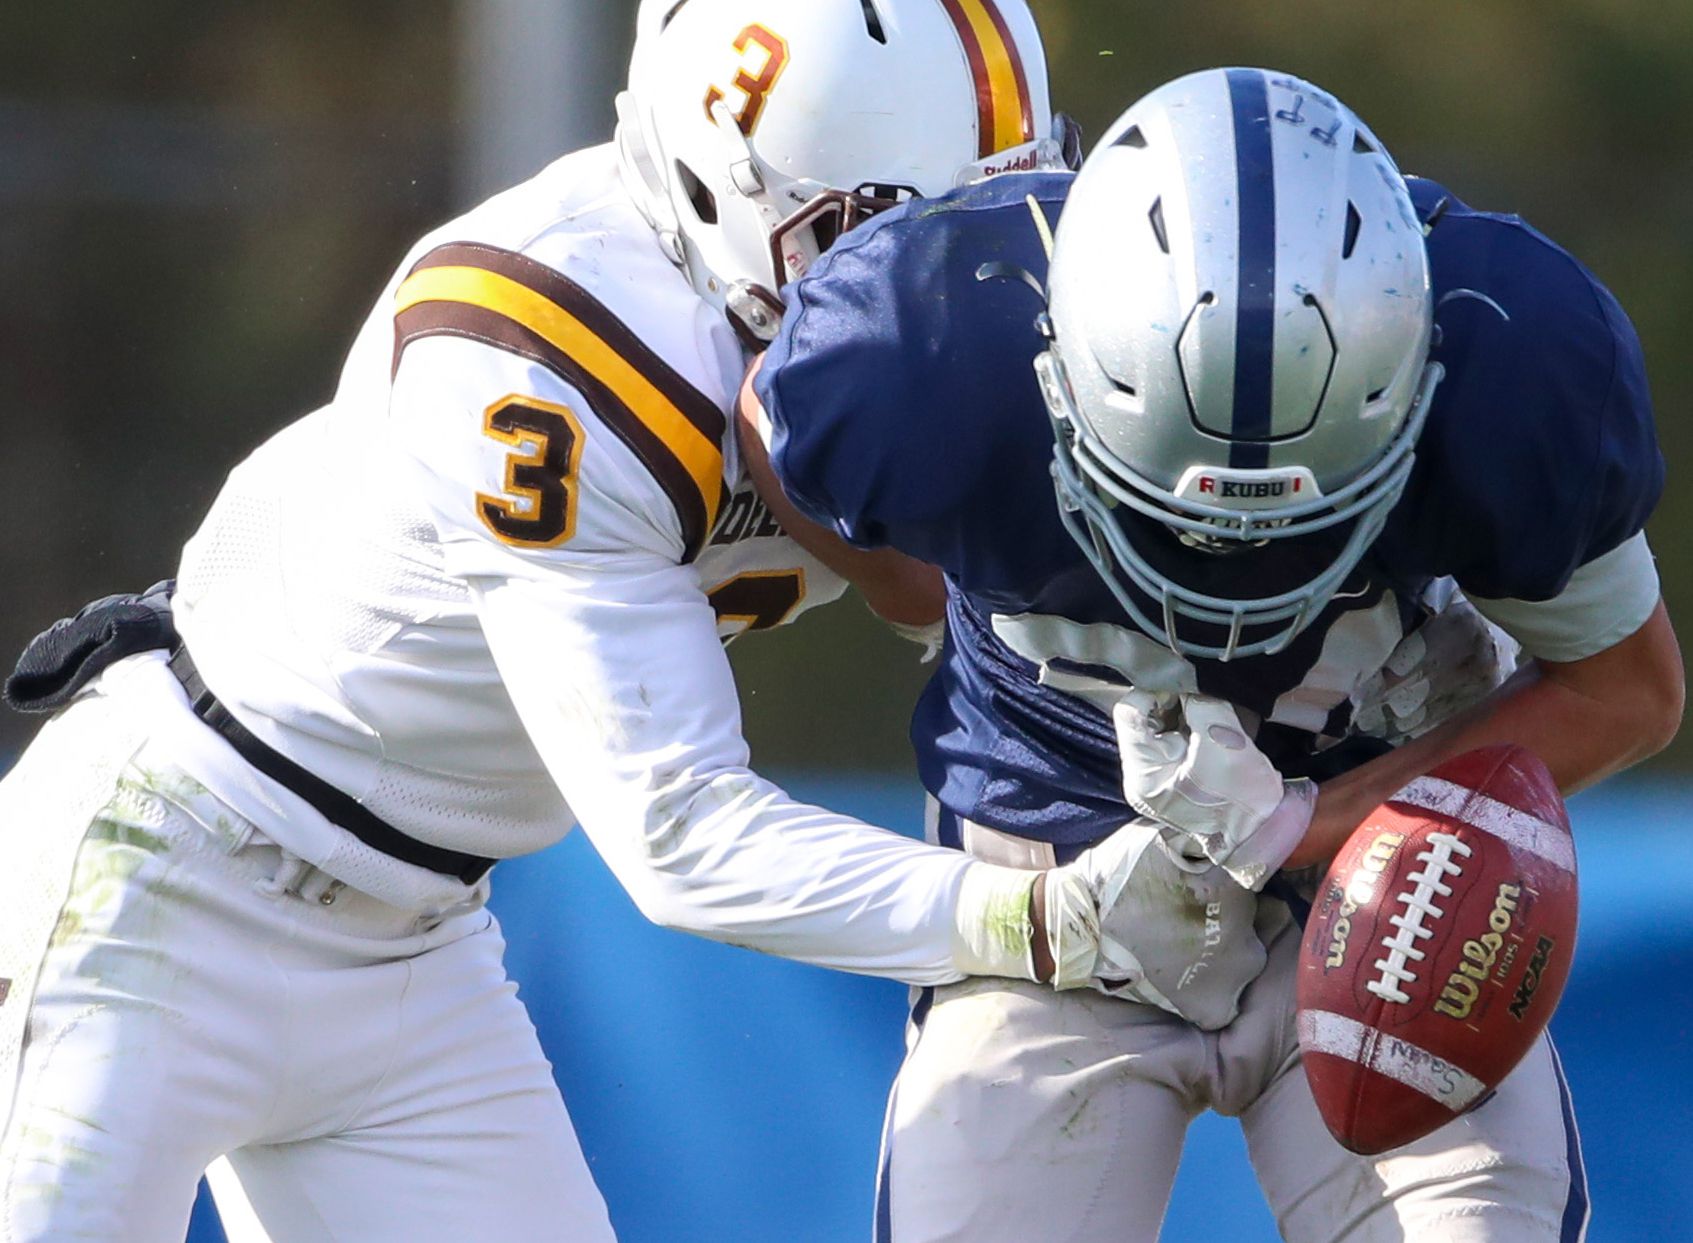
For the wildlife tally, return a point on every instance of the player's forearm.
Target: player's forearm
(730, 857)
(1586, 720)
(623, 686)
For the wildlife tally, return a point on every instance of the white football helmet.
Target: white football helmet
(1241, 320)
(752, 135)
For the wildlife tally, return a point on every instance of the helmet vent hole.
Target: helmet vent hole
(703, 201)
(1374, 397)
(1361, 145)
(1132, 137)
(873, 22)
(671, 15)
(1354, 223)
(1156, 215)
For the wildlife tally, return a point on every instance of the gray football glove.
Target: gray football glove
(1201, 773)
(1165, 928)
(1454, 659)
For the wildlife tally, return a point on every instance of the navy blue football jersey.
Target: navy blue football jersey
(904, 412)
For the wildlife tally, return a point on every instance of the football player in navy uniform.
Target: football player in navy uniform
(1300, 414)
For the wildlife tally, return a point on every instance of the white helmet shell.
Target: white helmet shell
(751, 136)
(1241, 311)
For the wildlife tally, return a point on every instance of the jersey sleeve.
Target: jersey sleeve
(1540, 456)
(573, 528)
(902, 378)
(619, 678)
(1605, 601)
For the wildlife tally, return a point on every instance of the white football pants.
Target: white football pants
(168, 997)
(1023, 1114)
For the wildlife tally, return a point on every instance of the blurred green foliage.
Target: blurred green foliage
(199, 199)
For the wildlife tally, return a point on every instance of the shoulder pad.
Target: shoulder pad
(518, 305)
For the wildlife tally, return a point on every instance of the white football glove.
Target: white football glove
(1204, 776)
(1454, 659)
(1131, 917)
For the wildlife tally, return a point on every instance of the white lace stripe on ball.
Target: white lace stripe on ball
(1419, 906)
(1507, 823)
(1322, 1031)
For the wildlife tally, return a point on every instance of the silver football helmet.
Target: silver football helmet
(1240, 319)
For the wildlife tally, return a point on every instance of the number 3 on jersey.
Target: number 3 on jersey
(538, 509)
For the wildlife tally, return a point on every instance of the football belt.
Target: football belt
(58, 663)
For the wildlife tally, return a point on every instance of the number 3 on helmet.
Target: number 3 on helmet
(1241, 319)
(753, 134)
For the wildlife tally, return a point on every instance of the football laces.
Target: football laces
(1411, 923)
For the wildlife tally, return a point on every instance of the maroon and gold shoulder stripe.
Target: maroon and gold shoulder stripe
(1005, 113)
(514, 303)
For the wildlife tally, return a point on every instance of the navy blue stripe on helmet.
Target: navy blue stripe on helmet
(1576, 1208)
(1255, 291)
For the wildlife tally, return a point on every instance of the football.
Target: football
(1437, 947)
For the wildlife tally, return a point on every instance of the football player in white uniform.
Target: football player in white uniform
(479, 597)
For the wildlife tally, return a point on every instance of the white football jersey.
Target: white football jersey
(539, 395)
(486, 591)
(327, 598)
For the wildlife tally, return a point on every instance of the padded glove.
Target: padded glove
(1202, 774)
(1174, 930)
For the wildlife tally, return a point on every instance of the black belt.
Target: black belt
(337, 807)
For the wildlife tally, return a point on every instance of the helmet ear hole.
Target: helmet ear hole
(702, 200)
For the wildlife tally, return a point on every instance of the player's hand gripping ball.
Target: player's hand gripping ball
(1437, 948)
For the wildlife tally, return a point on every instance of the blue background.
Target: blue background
(723, 1097)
